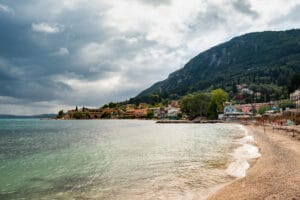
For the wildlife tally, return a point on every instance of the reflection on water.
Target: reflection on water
(112, 159)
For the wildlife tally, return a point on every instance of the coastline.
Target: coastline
(274, 175)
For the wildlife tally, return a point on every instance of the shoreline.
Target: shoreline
(274, 175)
(244, 159)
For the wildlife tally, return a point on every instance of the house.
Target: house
(140, 113)
(230, 109)
(130, 106)
(239, 87)
(136, 113)
(142, 106)
(174, 104)
(230, 113)
(249, 108)
(173, 112)
(257, 94)
(94, 113)
(246, 91)
(246, 108)
(162, 113)
(158, 113)
(295, 97)
(130, 113)
(116, 114)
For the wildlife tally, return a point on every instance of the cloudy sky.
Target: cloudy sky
(55, 54)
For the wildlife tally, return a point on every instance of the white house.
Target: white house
(230, 109)
(173, 112)
(230, 112)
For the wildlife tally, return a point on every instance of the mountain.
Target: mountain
(262, 62)
(42, 116)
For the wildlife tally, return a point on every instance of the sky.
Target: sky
(56, 54)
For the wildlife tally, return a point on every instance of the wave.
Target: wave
(248, 150)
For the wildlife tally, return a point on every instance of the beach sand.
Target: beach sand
(275, 175)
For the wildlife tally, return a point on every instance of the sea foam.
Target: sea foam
(242, 154)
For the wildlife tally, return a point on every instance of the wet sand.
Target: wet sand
(275, 175)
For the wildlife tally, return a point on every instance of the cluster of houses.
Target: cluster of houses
(142, 111)
(172, 111)
(245, 111)
(244, 90)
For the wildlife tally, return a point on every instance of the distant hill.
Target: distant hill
(262, 62)
(43, 116)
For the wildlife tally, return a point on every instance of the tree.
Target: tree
(286, 104)
(105, 115)
(88, 115)
(262, 110)
(105, 106)
(212, 110)
(150, 115)
(234, 89)
(77, 115)
(219, 96)
(112, 105)
(195, 105)
(60, 114)
(294, 83)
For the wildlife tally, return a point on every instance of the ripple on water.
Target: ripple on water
(113, 159)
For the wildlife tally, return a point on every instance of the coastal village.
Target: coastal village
(281, 112)
(129, 111)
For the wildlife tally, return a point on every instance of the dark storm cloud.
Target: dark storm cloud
(244, 7)
(34, 90)
(25, 82)
(32, 56)
(26, 69)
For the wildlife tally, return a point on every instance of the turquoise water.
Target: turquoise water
(114, 159)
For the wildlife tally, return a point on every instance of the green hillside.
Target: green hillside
(262, 62)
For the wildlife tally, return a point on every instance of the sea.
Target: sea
(119, 159)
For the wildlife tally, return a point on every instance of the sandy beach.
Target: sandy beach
(275, 175)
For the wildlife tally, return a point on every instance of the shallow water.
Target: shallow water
(114, 159)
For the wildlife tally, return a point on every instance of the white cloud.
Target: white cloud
(93, 53)
(62, 52)
(6, 9)
(99, 91)
(45, 28)
(165, 25)
(102, 85)
(107, 53)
